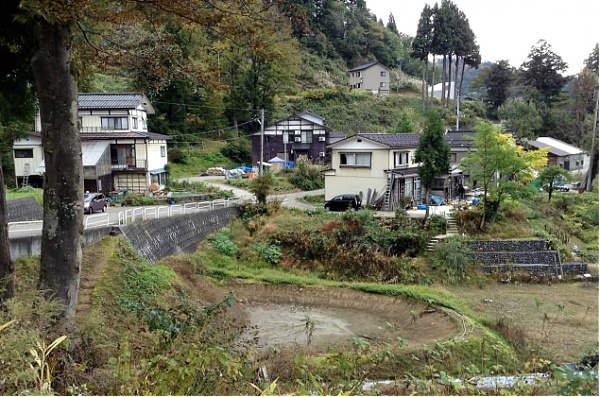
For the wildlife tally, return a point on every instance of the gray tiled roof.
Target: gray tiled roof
(89, 101)
(394, 140)
(460, 138)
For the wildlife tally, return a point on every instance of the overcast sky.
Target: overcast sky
(507, 29)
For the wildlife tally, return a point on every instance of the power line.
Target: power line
(205, 106)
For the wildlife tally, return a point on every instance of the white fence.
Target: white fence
(144, 213)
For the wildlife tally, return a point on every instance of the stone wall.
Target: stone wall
(24, 209)
(522, 257)
(158, 238)
(508, 245)
(565, 268)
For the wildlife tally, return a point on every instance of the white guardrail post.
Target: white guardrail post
(92, 221)
(131, 215)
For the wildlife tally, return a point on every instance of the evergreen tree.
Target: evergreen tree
(591, 61)
(497, 84)
(541, 73)
(391, 25)
(433, 154)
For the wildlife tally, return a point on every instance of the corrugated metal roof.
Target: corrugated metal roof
(91, 136)
(92, 151)
(560, 145)
(90, 101)
(394, 140)
(553, 150)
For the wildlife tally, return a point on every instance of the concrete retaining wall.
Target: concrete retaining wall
(158, 238)
(32, 245)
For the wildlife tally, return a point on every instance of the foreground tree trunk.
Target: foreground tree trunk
(7, 266)
(63, 191)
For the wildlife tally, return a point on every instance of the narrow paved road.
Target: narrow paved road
(287, 199)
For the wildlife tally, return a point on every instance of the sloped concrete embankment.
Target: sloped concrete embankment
(158, 238)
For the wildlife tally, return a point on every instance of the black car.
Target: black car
(343, 202)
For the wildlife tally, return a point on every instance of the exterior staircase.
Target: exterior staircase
(451, 230)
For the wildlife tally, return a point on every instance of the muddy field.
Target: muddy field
(276, 315)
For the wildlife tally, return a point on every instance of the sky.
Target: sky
(508, 29)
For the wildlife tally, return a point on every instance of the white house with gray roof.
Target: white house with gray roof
(118, 151)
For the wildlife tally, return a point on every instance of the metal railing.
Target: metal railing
(93, 221)
(144, 213)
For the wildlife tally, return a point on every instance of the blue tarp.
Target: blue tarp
(437, 200)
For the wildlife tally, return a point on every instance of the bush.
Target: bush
(453, 259)
(307, 176)
(223, 243)
(437, 224)
(136, 200)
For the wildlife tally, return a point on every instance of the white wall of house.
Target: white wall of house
(157, 154)
(22, 149)
(91, 120)
(355, 179)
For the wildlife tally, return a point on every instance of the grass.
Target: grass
(37, 194)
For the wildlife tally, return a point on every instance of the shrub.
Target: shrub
(136, 200)
(223, 243)
(453, 259)
(437, 224)
(270, 253)
(307, 176)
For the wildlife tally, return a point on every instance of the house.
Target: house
(437, 90)
(567, 156)
(118, 151)
(303, 134)
(384, 163)
(379, 162)
(372, 77)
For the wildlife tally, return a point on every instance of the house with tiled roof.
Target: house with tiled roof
(298, 135)
(118, 151)
(384, 163)
(373, 77)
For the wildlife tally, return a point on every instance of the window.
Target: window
(163, 151)
(134, 123)
(453, 157)
(382, 84)
(23, 153)
(382, 73)
(114, 123)
(355, 159)
(161, 178)
(400, 159)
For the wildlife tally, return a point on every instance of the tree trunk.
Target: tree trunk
(424, 84)
(63, 184)
(427, 202)
(7, 267)
(443, 92)
(432, 76)
(449, 80)
(456, 90)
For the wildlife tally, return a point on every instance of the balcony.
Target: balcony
(129, 165)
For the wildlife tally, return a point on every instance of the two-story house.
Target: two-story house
(384, 163)
(380, 162)
(118, 151)
(303, 134)
(373, 77)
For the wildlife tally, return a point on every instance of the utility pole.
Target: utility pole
(262, 140)
(457, 109)
(592, 153)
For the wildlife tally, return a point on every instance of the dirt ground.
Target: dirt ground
(276, 315)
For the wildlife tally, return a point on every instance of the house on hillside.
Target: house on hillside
(303, 134)
(560, 153)
(384, 163)
(118, 151)
(372, 77)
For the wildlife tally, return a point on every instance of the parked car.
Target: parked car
(343, 202)
(94, 202)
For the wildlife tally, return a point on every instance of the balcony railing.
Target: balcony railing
(130, 165)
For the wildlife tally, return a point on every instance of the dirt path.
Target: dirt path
(94, 260)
